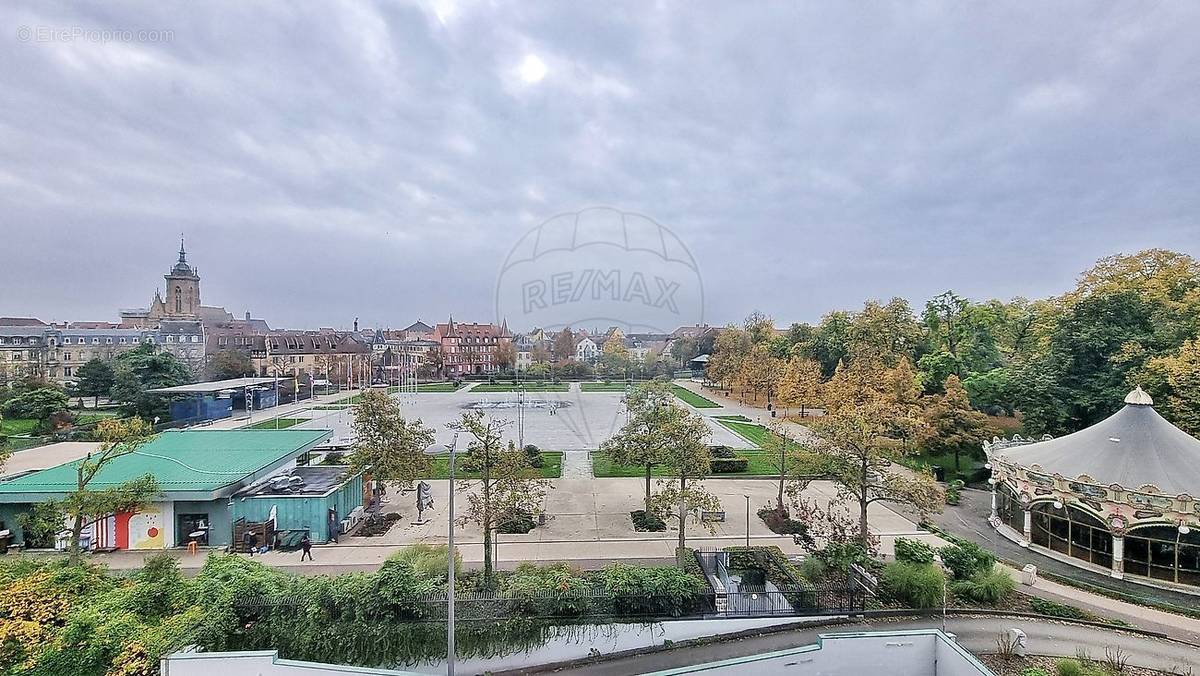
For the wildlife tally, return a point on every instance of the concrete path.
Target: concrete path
(976, 634)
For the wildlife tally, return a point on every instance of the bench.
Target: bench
(712, 517)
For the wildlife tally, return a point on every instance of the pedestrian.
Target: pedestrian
(250, 539)
(306, 548)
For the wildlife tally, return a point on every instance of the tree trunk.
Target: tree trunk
(862, 506)
(76, 533)
(648, 468)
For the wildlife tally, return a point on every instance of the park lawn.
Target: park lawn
(439, 387)
(277, 423)
(528, 387)
(551, 467)
(693, 398)
(602, 387)
(14, 426)
(759, 464)
(358, 397)
(752, 432)
(331, 407)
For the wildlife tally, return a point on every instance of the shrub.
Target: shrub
(1034, 671)
(533, 455)
(779, 521)
(722, 452)
(729, 465)
(913, 551)
(646, 522)
(427, 561)
(1054, 609)
(812, 569)
(918, 586)
(988, 587)
(519, 523)
(964, 559)
(1068, 666)
(841, 555)
(664, 590)
(556, 590)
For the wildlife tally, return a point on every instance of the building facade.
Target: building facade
(468, 349)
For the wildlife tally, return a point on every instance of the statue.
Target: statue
(424, 501)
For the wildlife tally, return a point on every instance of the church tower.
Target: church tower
(182, 299)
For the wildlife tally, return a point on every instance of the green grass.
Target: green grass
(735, 418)
(529, 387)
(331, 407)
(277, 423)
(603, 387)
(755, 434)
(439, 387)
(551, 467)
(693, 398)
(12, 426)
(759, 464)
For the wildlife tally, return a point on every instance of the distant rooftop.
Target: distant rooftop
(214, 386)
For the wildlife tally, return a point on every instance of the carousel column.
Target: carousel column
(995, 515)
(1118, 556)
(1027, 528)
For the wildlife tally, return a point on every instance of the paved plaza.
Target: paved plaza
(554, 421)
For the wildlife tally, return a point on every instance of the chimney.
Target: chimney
(247, 315)
(356, 324)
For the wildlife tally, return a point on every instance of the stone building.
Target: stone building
(470, 348)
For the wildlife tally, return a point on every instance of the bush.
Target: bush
(533, 455)
(664, 590)
(722, 452)
(1069, 666)
(812, 569)
(954, 492)
(964, 559)
(427, 561)
(841, 555)
(518, 524)
(917, 586)
(1062, 610)
(729, 465)
(988, 587)
(913, 551)
(647, 523)
(779, 521)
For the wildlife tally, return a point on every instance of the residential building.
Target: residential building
(470, 348)
(23, 351)
(586, 350)
(342, 357)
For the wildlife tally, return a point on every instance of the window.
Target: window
(16, 356)
(67, 371)
(108, 341)
(95, 341)
(122, 341)
(170, 339)
(66, 341)
(33, 341)
(66, 356)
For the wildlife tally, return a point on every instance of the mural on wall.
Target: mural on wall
(147, 528)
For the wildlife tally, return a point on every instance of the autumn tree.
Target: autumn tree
(799, 384)
(641, 441)
(1174, 381)
(872, 411)
(952, 425)
(392, 448)
(564, 345)
(686, 461)
(507, 488)
(506, 355)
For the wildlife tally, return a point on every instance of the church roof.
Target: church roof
(1133, 447)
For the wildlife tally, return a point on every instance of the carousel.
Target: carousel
(1115, 497)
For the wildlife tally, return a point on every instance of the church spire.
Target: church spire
(182, 252)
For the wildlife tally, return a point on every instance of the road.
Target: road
(977, 634)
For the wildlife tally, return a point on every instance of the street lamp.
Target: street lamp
(450, 566)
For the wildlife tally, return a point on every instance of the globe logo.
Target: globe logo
(599, 268)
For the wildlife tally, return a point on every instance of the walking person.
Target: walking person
(306, 548)
(250, 539)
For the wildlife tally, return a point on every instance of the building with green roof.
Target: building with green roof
(199, 472)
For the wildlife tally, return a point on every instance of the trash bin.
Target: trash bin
(939, 473)
(5, 541)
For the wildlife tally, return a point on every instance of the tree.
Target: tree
(41, 404)
(640, 441)
(1174, 381)
(84, 506)
(799, 384)
(392, 448)
(95, 378)
(540, 355)
(952, 424)
(229, 364)
(564, 345)
(146, 368)
(785, 456)
(871, 413)
(686, 460)
(506, 355)
(508, 486)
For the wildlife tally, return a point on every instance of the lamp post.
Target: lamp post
(450, 566)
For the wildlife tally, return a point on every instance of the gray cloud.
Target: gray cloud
(333, 161)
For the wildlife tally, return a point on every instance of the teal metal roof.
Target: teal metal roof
(181, 460)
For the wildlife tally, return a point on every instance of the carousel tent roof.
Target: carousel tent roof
(1132, 447)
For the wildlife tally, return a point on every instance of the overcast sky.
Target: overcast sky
(331, 161)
